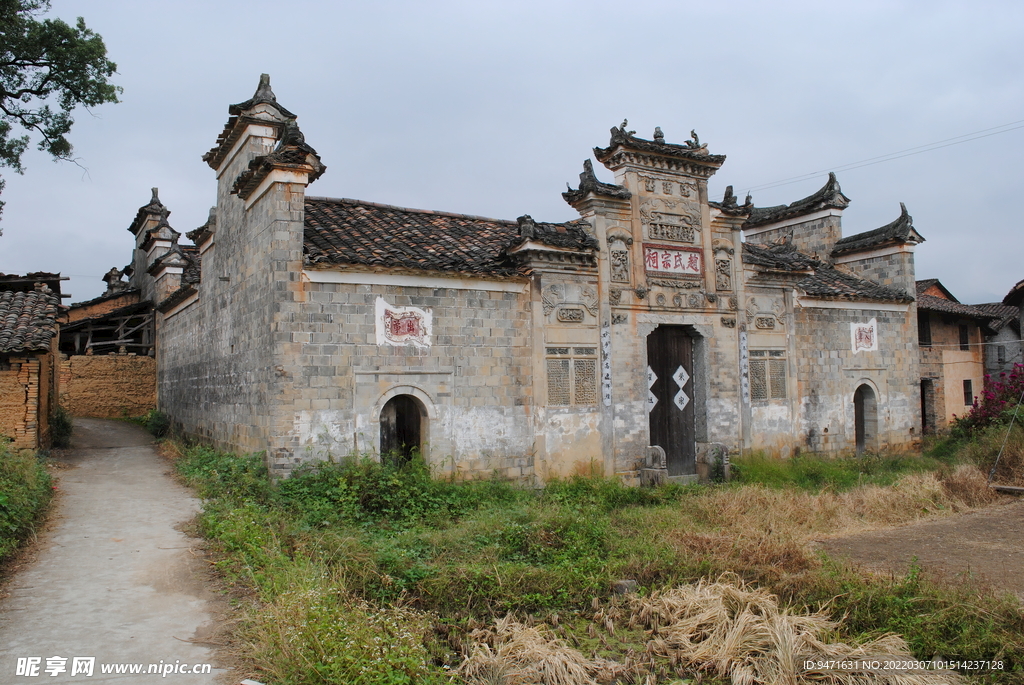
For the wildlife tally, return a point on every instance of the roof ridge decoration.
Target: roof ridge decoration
(624, 148)
(589, 183)
(241, 115)
(264, 95)
(731, 207)
(202, 233)
(898, 232)
(829, 196)
(154, 208)
(292, 152)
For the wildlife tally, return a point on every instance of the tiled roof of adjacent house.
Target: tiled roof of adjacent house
(1005, 314)
(342, 231)
(1016, 295)
(822, 280)
(28, 320)
(931, 303)
(899, 231)
(829, 196)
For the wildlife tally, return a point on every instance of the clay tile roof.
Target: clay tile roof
(343, 231)
(28, 320)
(822, 280)
(899, 231)
(1004, 314)
(194, 267)
(778, 257)
(830, 283)
(931, 303)
(829, 196)
(1016, 295)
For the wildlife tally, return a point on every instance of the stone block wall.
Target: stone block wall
(474, 380)
(829, 373)
(108, 386)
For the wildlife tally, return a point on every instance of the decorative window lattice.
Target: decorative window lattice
(767, 375)
(585, 381)
(558, 383)
(572, 380)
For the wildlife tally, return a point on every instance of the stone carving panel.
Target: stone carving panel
(620, 266)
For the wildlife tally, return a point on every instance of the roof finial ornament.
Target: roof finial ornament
(622, 128)
(155, 200)
(694, 142)
(588, 179)
(730, 197)
(527, 227)
(659, 137)
(263, 91)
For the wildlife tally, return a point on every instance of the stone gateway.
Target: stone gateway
(659, 331)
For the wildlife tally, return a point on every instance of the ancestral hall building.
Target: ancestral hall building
(309, 326)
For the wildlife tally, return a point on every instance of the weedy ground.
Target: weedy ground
(363, 573)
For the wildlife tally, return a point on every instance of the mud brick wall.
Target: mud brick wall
(109, 386)
(19, 401)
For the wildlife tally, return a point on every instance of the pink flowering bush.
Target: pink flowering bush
(996, 405)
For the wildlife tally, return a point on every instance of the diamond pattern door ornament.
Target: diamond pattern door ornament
(681, 399)
(651, 399)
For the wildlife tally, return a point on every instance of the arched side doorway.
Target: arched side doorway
(401, 428)
(865, 417)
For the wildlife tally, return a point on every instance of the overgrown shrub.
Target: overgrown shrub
(157, 423)
(61, 427)
(997, 405)
(25, 490)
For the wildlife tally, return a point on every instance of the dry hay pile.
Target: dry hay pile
(514, 653)
(720, 628)
(741, 633)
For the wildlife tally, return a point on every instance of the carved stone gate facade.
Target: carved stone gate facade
(321, 327)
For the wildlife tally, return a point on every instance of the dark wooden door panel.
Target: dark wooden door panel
(670, 362)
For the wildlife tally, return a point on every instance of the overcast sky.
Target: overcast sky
(489, 108)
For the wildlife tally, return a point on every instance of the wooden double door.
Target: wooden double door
(670, 400)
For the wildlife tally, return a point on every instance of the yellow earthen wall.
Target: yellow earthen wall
(19, 402)
(110, 386)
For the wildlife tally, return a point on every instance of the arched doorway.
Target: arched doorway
(865, 417)
(401, 429)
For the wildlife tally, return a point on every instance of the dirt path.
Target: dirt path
(113, 578)
(987, 544)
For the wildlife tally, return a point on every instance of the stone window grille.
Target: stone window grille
(767, 375)
(1001, 354)
(968, 392)
(572, 376)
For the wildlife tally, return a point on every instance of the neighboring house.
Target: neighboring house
(107, 365)
(950, 337)
(29, 311)
(1002, 338)
(307, 327)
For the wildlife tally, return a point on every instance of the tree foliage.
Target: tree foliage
(47, 68)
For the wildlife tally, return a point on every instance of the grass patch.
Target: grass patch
(339, 554)
(816, 472)
(25, 490)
